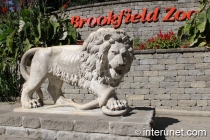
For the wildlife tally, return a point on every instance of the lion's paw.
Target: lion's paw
(114, 104)
(33, 103)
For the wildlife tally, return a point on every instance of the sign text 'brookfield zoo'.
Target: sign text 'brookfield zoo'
(126, 16)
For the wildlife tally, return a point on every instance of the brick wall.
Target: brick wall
(169, 79)
(165, 79)
(144, 30)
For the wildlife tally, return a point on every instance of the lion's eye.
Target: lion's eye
(124, 55)
(115, 53)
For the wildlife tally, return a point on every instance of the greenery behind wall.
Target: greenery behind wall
(22, 28)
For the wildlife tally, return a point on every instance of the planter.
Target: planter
(80, 42)
(184, 46)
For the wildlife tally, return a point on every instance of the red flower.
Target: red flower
(64, 6)
(15, 8)
(80, 42)
(160, 34)
(141, 47)
(171, 33)
(166, 36)
(23, 3)
(4, 10)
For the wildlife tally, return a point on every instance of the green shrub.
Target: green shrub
(22, 29)
(197, 29)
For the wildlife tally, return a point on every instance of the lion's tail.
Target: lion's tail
(24, 61)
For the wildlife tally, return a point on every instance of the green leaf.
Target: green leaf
(187, 27)
(55, 27)
(36, 28)
(200, 22)
(36, 42)
(193, 35)
(26, 44)
(208, 14)
(73, 32)
(202, 5)
(201, 44)
(9, 40)
(26, 13)
(180, 31)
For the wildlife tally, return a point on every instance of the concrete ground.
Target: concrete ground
(179, 126)
(191, 125)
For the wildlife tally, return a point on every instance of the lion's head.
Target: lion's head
(106, 56)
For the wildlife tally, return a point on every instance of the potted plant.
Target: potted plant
(184, 44)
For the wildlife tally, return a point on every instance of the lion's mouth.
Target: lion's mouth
(115, 73)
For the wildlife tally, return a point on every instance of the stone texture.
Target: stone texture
(10, 121)
(2, 130)
(169, 102)
(196, 96)
(16, 131)
(187, 103)
(91, 126)
(59, 125)
(31, 122)
(63, 135)
(141, 91)
(127, 128)
(156, 79)
(180, 96)
(162, 96)
(157, 90)
(155, 103)
(42, 134)
(175, 90)
(198, 84)
(141, 103)
(202, 103)
(135, 97)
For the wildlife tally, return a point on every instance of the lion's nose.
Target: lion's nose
(120, 61)
(122, 64)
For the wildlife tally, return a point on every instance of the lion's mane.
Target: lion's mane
(93, 59)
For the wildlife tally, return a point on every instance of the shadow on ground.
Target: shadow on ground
(130, 112)
(161, 123)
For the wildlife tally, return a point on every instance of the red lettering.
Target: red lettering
(169, 15)
(128, 17)
(179, 13)
(153, 16)
(112, 18)
(82, 21)
(75, 21)
(144, 12)
(135, 17)
(91, 21)
(119, 22)
(189, 14)
(100, 19)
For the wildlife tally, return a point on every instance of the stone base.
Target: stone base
(67, 123)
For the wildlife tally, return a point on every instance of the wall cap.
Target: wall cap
(175, 50)
(109, 3)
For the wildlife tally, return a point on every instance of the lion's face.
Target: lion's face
(119, 60)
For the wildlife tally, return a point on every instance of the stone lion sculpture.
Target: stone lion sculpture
(98, 66)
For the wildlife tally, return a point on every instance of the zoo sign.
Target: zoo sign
(126, 16)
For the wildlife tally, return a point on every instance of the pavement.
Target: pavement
(183, 127)
(175, 127)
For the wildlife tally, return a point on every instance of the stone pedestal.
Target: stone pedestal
(67, 123)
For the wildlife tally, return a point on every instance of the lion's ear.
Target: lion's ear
(107, 37)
